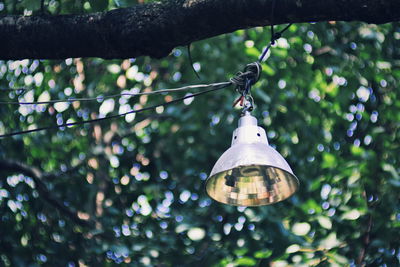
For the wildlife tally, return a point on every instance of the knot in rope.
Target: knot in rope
(275, 37)
(244, 80)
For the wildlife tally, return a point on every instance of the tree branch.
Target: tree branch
(366, 242)
(156, 28)
(44, 193)
(55, 175)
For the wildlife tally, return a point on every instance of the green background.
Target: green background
(328, 98)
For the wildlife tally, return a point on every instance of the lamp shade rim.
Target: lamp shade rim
(261, 202)
(265, 165)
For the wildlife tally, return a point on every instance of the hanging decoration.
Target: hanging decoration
(250, 172)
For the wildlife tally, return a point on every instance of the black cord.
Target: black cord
(217, 87)
(191, 62)
(274, 36)
(17, 90)
(100, 98)
(272, 22)
(242, 80)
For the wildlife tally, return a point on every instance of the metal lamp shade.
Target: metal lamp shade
(250, 172)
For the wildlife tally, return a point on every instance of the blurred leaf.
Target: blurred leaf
(329, 160)
(351, 215)
(325, 222)
(245, 261)
(263, 254)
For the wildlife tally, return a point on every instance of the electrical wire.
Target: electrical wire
(274, 36)
(272, 21)
(14, 90)
(215, 87)
(191, 62)
(99, 98)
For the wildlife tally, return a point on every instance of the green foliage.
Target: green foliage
(328, 99)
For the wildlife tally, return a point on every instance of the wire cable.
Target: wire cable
(17, 90)
(272, 21)
(274, 36)
(116, 95)
(216, 86)
(191, 62)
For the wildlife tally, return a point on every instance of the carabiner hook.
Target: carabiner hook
(248, 105)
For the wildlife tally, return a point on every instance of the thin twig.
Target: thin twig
(44, 192)
(366, 241)
(191, 62)
(366, 238)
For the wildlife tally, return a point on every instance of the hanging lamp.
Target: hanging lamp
(250, 172)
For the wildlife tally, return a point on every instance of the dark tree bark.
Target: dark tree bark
(154, 29)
